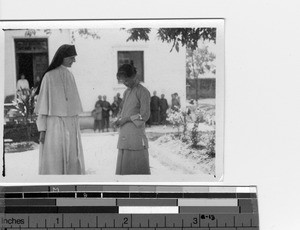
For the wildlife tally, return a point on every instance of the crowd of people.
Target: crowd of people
(104, 110)
(159, 107)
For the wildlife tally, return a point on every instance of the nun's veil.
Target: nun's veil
(62, 52)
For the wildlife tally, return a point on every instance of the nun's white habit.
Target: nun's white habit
(58, 107)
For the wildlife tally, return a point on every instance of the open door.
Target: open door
(31, 58)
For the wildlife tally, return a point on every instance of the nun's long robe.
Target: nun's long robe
(58, 106)
(133, 156)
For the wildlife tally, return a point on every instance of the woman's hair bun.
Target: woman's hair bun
(126, 70)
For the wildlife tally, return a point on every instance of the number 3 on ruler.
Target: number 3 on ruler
(195, 220)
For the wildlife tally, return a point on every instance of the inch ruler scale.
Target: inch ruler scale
(80, 207)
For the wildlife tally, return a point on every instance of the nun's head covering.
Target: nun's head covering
(62, 52)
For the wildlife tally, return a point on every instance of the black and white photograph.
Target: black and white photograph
(114, 100)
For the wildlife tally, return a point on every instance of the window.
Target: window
(133, 57)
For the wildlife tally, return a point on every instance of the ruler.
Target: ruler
(129, 207)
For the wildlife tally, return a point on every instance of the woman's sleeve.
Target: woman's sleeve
(41, 123)
(145, 99)
(121, 105)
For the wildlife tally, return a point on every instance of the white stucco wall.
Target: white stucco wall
(96, 64)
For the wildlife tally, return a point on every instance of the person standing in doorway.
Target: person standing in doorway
(133, 156)
(58, 106)
(105, 113)
(22, 83)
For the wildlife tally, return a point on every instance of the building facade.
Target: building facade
(97, 61)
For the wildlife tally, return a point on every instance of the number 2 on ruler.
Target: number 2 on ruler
(125, 220)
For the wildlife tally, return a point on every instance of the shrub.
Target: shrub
(210, 146)
(179, 118)
(195, 133)
(22, 127)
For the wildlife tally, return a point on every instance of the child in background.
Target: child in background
(97, 114)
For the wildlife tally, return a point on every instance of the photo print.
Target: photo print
(113, 100)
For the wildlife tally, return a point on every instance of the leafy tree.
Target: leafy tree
(199, 61)
(86, 33)
(188, 37)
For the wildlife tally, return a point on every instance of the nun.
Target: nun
(133, 156)
(58, 106)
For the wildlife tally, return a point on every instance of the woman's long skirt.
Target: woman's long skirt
(62, 152)
(133, 162)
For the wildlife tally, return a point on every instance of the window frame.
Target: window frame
(142, 64)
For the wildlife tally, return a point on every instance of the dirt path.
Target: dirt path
(100, 154)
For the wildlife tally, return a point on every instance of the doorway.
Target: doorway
(25, 67)
(31, 59)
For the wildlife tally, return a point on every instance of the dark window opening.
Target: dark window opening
(135, 58)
